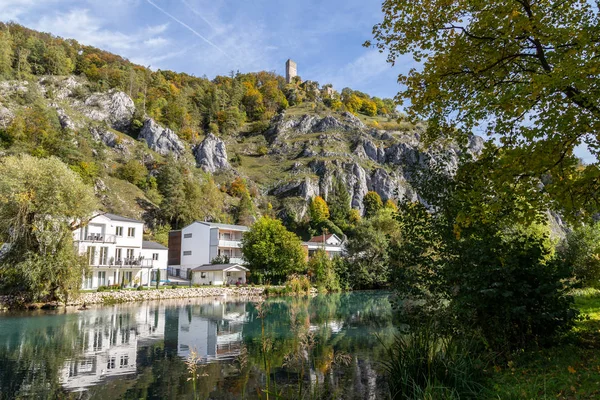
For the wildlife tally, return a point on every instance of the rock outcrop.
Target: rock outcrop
(211, 154)
(113, 107)
(162, 140)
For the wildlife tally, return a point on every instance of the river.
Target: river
(323, 347)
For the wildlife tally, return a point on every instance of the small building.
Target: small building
(200, 243)
(158, 254)
(331, 243)
(219, 274)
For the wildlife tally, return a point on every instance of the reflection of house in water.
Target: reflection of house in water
(109, 341)
(110, 338)
(213, 329)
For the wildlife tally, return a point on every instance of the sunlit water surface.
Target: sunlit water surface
(325, 347)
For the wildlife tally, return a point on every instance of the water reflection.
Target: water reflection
(323, 347)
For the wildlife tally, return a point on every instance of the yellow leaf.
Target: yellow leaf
(571, 369)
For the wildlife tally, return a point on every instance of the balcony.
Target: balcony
(236, 260)
(236, 244)
(124, 263)
(100, 238)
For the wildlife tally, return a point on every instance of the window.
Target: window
(187, 236)
(130, 232)
(118, 255)
(101, 278)
(124, 361)
(111, 364)
(203, 275)
(119, 231)
(103, 255)
(87, 282)
(91, 255)
(127, 276)
(228, 273)
(130, 254)
(187, 253)
(155, 256)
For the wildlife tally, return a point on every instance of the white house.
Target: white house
(201, 242)
(331, 243)
(219, 274)
(115, 249)
(158, 254)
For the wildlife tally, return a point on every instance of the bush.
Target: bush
(102, 289)
(173, 286)
(425, 365)
(139, 288)
(298, 284)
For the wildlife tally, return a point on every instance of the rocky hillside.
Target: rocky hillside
(290, 160)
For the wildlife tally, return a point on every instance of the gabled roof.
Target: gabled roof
(115, 217)
(146, 244)
(323, 238)
(219, 267)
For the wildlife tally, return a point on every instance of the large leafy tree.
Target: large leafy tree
(41, 202)
(581, 251)
(270, 249)
(525, 71)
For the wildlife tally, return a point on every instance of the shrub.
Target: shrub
(139, 288)
(426, 365)
(298, 284)
(102, 288)
(173, 286)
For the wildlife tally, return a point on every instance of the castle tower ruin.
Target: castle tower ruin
(290, 70)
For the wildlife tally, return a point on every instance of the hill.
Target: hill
(171, 148)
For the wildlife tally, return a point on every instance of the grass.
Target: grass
(570, 370)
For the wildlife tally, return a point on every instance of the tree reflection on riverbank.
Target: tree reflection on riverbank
(321, 347)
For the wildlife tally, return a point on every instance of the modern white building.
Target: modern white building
(331, 243)
(117, 252)
(200, 243)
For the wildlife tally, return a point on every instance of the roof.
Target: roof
(321, 238)
(219, 267)
(227, 226)
(147, 244)
(115, 217)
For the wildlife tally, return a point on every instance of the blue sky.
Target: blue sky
(212, 37)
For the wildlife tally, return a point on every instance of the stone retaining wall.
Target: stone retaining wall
(124, 296)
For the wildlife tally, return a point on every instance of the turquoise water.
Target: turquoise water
(211, 348)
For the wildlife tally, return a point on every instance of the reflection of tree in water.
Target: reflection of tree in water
(322, 347)
(33, 358)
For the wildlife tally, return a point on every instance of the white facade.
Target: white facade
(114, 247)
(202, 242)
(332, 245)
(219, 274)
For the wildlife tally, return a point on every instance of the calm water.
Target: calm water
(322, 347)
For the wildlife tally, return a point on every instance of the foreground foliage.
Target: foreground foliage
(41, 202)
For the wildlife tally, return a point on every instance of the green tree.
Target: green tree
(581, 251)
(134, 172)
(272, 250)
(389, 204)
(369, 250)
(524, 64)
(41, 202)
(322, 272)
(318, 210)
(372, 203)
(6, 53)
(339, 203)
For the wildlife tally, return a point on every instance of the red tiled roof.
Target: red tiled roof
(320, 238)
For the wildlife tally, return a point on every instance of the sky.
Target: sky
(214, 37)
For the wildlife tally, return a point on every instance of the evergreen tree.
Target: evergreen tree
(339, 202)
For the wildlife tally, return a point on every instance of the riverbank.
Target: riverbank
(125, 296)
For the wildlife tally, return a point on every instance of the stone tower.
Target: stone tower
(290, 70)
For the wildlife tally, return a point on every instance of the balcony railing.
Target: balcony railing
(124, 263)
(236, 260)
(100, 238)
(230, 243)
